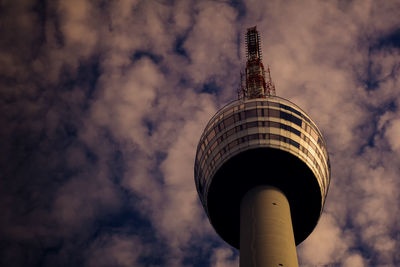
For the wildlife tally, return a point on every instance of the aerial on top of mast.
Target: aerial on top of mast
(257, 84)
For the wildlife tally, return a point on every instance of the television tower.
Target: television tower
(262, 169)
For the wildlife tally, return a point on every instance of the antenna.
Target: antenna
(257, 84)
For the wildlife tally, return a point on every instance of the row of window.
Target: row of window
(224, 136)
(235, 106)
(279, 105)
(229, 109)
(213, 141)
(240, 116)
(210, 138)
(248, 138)
(251, 104)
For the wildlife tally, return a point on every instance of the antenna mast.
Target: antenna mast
(258, 85)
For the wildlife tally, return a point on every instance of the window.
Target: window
(230, 132)
(210, 135)
(213, 146)
(312, 145)
(228, 112)
(294, 143)
(293, 130)
(228, 122)
(251, 104)
(308, 128)
(274, 124)
(217, 156)
(253, 137)
(238, 117)
(274, 136)
(251, 113)
(273, 113)
(199, 154)
(252, 124)
(232, 144)
(273, 104)
(290, 117)
(219, 127)
(290, 109)
(314, 135)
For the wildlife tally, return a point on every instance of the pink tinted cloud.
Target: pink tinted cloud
(153, 112)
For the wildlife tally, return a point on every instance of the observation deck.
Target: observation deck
(261, 141)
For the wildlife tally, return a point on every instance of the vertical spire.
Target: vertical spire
(258, 85)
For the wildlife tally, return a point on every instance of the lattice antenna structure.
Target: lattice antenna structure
(270, 86)
(242, 90)
(258, 85)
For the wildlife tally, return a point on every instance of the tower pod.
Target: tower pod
(262, 141)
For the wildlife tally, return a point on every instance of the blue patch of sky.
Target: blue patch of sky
(153, 260)
(116, 166)
(373, 123)
(130, 223)
(391, 40)
(126, 221)
(70, 129)
(86, 77)
(372, 82)
(240, 8)
(39, 8)
(359, 247)
(178, 46)
(47, 14)
(139, 54)
(91, 157)
(184, 82)
(197, 260)
(156, 173)
(149, 126)
(200, 256)
(211, 87)
(49, 250)
(160, 157)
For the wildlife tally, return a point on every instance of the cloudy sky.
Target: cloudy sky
(103, 103)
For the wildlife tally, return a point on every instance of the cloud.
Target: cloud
(116, 250)
(392, 133)
(331, 241)
(354, 260)
(103, 104)
(224, 257)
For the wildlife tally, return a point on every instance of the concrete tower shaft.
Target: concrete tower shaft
(264, 141)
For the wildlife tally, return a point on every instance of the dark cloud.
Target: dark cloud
(102, 105)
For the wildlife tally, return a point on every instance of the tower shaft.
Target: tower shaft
(266, 232)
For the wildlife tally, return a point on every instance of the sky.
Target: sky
(102, 104)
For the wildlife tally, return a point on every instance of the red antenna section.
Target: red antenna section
(258, 85)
